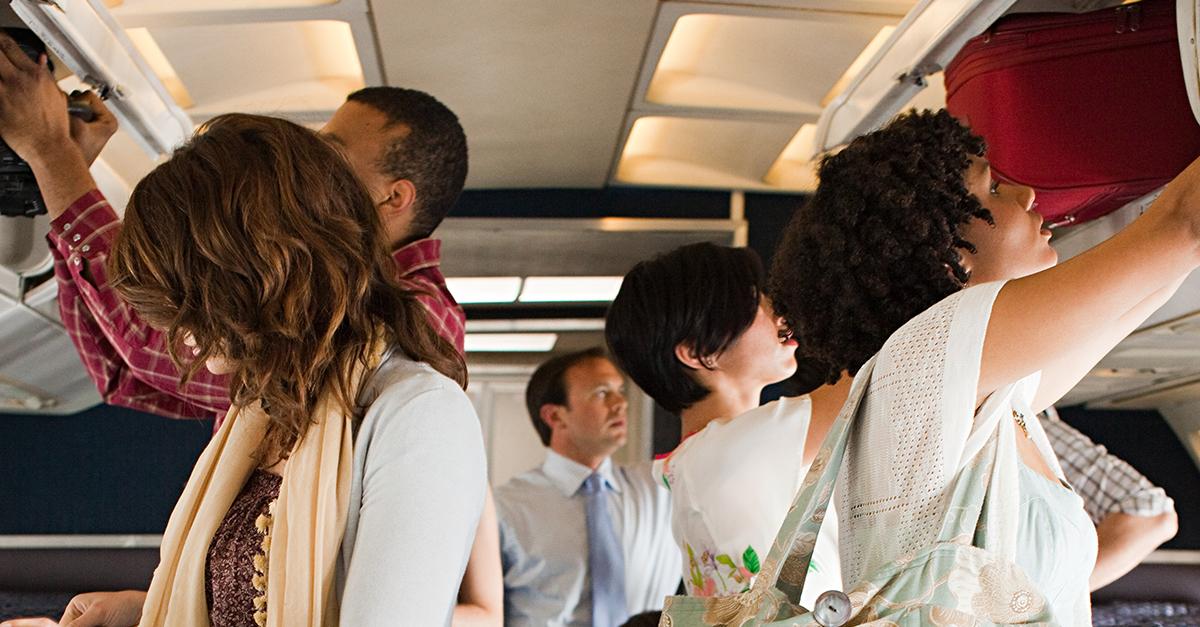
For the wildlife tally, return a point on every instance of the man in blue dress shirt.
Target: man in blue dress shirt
(582, 540)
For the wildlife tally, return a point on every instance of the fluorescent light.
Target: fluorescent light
(510, 342)
(535, 324)
(467, 290)
(858, 64)
(570, 289)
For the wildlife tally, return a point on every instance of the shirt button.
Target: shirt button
(76, 238)
(85, 247)
(832, 609)
(78, 261)
(67, 226)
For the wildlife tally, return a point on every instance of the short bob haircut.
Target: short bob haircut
(700, 295)
(548, 386)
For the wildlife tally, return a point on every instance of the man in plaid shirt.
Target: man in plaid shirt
(408, 148)
(1132, 515)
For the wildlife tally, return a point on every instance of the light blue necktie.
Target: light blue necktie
(606, 560)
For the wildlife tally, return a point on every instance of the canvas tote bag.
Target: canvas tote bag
(952, 582)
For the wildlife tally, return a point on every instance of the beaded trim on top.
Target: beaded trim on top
(263, 524)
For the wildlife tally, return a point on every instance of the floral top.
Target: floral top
(731, 486)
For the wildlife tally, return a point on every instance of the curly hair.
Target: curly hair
(258, 240)
(879, 240)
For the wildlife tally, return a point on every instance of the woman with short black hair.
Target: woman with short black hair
(694, 329)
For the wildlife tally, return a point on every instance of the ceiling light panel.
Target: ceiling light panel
(471, 290)
(299, 68)
(702, 153)
(795, 169)
(753, 59)
(510, 342)
(152, 7)
(570, 289)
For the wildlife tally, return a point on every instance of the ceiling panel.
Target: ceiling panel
(481, 247)
(281, 66)
(541, 87)
(702, 153)
(783, 61)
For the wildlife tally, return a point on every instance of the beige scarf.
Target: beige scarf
(308, 521)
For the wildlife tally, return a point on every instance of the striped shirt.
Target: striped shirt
(127, 358)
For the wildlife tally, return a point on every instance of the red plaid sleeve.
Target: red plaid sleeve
(419, 264)
(126, 358)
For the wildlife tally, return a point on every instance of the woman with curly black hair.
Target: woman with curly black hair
(912, 252)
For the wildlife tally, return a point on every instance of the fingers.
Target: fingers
(13, 59)
(29, 622)
(93, 617)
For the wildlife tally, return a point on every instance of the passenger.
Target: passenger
(902, 221)
(695, 330)
(583, 541)
(406, 145)
(350, 469)
(1132, 515)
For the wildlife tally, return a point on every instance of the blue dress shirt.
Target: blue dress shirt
(544, 544)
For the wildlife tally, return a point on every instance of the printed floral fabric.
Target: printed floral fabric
(719, 575)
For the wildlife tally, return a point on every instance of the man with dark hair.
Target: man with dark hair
(407, 147)
(583, 541)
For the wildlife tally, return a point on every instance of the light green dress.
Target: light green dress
(1056, 541)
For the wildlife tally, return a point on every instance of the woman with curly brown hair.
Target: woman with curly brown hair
(911, 253)
(347, 480)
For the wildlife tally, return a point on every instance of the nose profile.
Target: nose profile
(1027, 196)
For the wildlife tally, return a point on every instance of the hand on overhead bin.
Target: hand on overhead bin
(92, 136)
(33, 110)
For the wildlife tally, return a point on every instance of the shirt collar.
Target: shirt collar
(568, 475)
(418, 255)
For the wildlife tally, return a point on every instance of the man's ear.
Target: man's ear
(398, 210)
(551, 414)
(401, 197)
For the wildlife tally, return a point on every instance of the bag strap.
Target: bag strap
(787, 563)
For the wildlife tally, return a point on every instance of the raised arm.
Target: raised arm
(125, 357)
(1064, 319)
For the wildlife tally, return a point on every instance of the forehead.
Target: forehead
(978, 169)
(356, 124)
(590, 373)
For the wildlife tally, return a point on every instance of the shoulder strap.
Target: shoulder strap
(788, 561)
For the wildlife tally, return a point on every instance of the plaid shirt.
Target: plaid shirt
(1105, 482)
(128, 360)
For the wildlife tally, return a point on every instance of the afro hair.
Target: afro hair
(879, 240)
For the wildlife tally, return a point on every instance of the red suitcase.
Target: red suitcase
(1090, 109)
